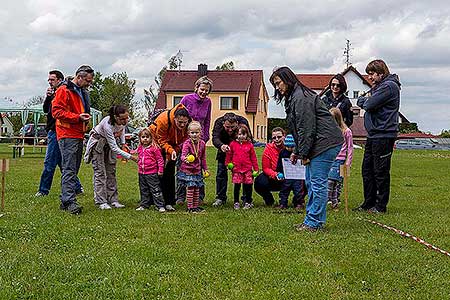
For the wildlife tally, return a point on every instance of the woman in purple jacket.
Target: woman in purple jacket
(198, 105)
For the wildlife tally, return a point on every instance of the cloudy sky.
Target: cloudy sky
(139, 36)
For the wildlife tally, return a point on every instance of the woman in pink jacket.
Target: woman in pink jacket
(241, 160)
(150, 168)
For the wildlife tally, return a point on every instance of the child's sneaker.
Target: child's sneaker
(104, 206)
(299, 207)
(281, 207)
(117, 205)
(236, 205)
(161, 209)
(179, 202)
(140, 208)
(200, 209)
(170, 207)
(248, 205)
(191, 210)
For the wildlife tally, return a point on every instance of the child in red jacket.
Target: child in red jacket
(241, 160)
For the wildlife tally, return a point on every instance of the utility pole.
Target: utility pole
(347, 53)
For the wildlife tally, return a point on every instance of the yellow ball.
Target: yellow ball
(206, 174)
(190, 158)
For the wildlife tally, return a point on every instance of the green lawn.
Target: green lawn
(46, 253)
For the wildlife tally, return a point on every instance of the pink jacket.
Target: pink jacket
(242, 156)
(150, 160)
(199, 163)
(346, 152)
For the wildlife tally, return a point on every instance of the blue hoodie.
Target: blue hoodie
(381, 117)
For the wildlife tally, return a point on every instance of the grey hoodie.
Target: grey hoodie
(381, 117)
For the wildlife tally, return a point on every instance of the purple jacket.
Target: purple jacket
(199, 163)
(199, 110)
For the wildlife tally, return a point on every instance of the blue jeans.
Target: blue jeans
(51, 161)
(71, 153)
(317, 183)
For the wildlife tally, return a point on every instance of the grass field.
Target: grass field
(46, 253)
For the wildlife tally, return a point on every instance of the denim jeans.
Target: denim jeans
(317, 183)
(51, 161)
(71, 154)
(298, 188)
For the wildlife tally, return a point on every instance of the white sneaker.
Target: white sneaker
(218, 202)
(104, 206)
(117, 205)
(170, 207)
(161, 209)
(140, 208)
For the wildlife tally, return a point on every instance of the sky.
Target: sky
(139, 37)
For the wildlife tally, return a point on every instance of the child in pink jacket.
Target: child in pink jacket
(241, 160)
(150, 168)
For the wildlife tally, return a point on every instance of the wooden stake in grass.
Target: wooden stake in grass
(345, 171)
(4, 166)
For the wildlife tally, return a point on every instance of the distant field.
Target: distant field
(223, 254)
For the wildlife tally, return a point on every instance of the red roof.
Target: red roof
(417, 135)
(247, 81)
(320, 81)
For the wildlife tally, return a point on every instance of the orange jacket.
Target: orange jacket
(169, 138)
(66, 109)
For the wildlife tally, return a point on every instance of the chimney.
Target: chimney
(202, 70)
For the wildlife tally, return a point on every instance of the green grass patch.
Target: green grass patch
(46, 253)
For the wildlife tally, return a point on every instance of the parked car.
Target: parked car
(415, 144)
(29, 132)
(132, 138)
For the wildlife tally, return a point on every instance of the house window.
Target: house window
(355, 94)
(229, 103)
(257, 131)
(177, 100)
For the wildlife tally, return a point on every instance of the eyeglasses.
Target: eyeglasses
(277, 137)
(335, 84)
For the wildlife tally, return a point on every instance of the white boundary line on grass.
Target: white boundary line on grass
(408, 235)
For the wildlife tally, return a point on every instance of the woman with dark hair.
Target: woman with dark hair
(317, 137)
(102, 149)
(335, 97)
(169, 131)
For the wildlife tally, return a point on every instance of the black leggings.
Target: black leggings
(247, 194)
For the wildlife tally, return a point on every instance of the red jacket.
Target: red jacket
(66, 109)
(270, 159)
(242, 156)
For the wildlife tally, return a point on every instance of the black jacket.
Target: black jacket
(47, 107)
(220, 136)
(343, 103)
(381, 117)
(283, 154)
(311, 124)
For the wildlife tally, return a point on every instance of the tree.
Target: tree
(445, 134)
(228, 66)
(112, 90)
(34, 101)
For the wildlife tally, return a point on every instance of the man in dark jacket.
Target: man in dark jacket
(381, 123)
(225, 130)
(52, 155)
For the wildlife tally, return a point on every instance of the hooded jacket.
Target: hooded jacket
(343, 103)
(66, 109)
(243, 157)
(199, 110)
(381, 117)
(311, 124)
(269, 160)
(166, 135)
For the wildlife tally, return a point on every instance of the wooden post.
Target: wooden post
(4, 167)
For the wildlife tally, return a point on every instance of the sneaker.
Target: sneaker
(62, 206)
(280, 207)
(81, 191)
(162, 209)
(40, 194)
(74, 208)
(304, 227)
(248, 205)
(335, 205)
(140, 208)
(236, 205)
(360, 208)
(179, 202)
(104, 206)
(199, 209)
(218, 202)
(374, 210)
(170, 207)
(117, 205)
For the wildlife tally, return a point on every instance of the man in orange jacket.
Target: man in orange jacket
(71, 110)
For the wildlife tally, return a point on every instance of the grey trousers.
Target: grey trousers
(150, 188)
(105, 183)
(71, 154)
